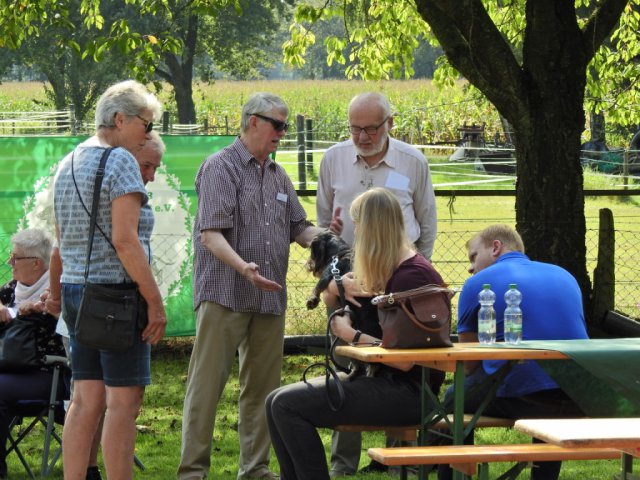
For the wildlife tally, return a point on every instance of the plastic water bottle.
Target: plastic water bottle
(486, 315)
(513, 315)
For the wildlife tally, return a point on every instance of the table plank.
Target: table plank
(620, 433)
(445, 358)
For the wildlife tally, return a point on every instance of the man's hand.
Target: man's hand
(250, 272)
(336, 224)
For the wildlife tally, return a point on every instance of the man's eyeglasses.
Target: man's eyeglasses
(13, 258)
(147, 124)
(278, 125)
(371, 130)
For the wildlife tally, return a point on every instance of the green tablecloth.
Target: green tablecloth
(604, 376)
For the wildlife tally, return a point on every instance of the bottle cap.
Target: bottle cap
(486, 286)
(513, 285)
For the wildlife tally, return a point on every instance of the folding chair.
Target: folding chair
(46, 413)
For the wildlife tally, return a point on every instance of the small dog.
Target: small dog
(324, 247)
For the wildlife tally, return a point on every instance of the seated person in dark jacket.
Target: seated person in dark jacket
(29, 260)
(384, 261)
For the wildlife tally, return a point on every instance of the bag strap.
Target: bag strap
(94, 207)
(335, 271)
(329, 371)
(421, 325)
(73, 175)
(389, 299)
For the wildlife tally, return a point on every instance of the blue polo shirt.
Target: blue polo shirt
(551, 310)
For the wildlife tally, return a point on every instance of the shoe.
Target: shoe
(374, 467)
(93, 473)
(269, 476)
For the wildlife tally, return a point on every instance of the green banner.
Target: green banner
(27, 166)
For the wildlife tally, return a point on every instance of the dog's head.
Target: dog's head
(323, 247)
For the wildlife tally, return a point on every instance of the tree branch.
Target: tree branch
(477, 49)
(604, 18)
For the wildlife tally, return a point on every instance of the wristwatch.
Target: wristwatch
(356, 337)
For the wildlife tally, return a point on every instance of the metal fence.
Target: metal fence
(450, 258)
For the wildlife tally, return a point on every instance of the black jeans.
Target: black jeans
(32, 385)
(294, 412)
(542, 404)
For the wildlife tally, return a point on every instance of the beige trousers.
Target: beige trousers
(258, 339)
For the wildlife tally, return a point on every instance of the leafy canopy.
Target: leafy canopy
(382, 36)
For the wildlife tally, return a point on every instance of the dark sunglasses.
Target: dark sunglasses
(147, 124)
(278, 125)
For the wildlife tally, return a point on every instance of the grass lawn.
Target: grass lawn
(158, 443)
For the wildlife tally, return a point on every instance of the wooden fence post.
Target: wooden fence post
(302, 173)
(604, 276)
(309, 135)
(72, 119)
(165, 122)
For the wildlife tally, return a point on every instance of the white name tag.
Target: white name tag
(282, 197)
(397, 181)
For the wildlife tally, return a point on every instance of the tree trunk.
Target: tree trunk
(542, 96)
(549, 190)
(180, 74)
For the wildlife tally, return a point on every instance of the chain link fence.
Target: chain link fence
(450, 258)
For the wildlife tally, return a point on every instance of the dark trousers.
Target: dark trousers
(33, 385)
(294, 412)
(542, 404)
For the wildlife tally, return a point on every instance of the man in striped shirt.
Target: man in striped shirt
(248, 215)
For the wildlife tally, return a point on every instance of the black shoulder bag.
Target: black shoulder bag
(110, 315)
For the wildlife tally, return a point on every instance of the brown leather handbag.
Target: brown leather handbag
(417, 318)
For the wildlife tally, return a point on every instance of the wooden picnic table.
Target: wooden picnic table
(452, 360)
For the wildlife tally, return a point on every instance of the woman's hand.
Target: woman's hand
(31, 307)
(52, 306)
(157, 323)
(5, 314)
(341, 326)
(351, 289)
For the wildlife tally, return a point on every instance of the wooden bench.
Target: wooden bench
(472, 459)
(410, 433)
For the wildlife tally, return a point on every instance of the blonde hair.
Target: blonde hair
(380, 238)
(510, 239)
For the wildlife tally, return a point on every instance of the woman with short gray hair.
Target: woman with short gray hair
(121, 252)
(29, 261)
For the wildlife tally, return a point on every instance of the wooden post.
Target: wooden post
(205, 126)
(309, 137)
(72, 119)
(165, 122)
(302, 173)
(226, 125)
(625, 168)
(604, 276)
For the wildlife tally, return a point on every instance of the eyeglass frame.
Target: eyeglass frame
(278, 125)
(13, 258)
(366, 129)
(147, 124)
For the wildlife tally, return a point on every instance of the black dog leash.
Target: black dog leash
(329, 357)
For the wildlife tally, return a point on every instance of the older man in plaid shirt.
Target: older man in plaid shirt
(248, 215)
